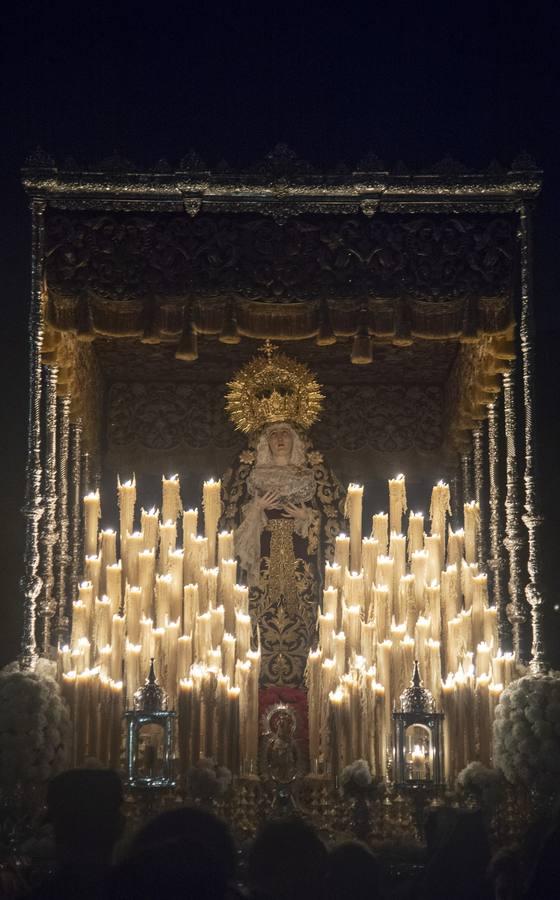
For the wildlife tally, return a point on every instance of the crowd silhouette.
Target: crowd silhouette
(189, 852)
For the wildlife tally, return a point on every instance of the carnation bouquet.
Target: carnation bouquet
(206, 781)
(356, 780)
(485, 785)
(527, 732)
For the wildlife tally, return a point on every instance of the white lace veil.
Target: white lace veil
(264, 456)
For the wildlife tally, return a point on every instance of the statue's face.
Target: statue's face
(280, 441)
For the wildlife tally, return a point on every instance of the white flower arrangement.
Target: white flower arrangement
(484, 784)
(356, 779)
(207, 781)
(34, 727)
(527, 732)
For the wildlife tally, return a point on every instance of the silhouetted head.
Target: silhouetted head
(288, 860)
(353, 873)
(171, 870)
(84, 806)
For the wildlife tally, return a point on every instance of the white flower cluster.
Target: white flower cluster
(355, 778)
(487, 785)
(527, 732)
(207, 781)
(34, 727)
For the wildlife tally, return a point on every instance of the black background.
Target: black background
(408, 81)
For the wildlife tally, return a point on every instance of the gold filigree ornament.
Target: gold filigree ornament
(273, 388)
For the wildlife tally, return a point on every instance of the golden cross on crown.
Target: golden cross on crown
(268, 349)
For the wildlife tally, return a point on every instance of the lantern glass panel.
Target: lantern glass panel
(418, 752)
(151, 751)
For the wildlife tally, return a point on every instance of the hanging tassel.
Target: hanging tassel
(229, 333)
(325, 334)
(362, 354)
(187, 349)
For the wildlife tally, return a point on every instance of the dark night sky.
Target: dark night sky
(409, 81)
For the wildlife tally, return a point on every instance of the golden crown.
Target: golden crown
(273, 388)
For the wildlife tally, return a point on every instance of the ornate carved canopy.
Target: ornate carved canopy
(424, 264)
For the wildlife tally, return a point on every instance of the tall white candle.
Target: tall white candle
(440, 508)
(228, 655)
(117, 647)
(397, 550)
(190, 607)
(127, 501)
(167, 541)
(339, 652)
(93, 574)
(243, 634)
(380, 531)
(415, 533)
(132, 671)
(382, 610)
(241, 598)
(419, 568)
(353, 512)
(113, 578)
(86, 595)
(149, 526)
(217, 625)
(333, 575)
(146, 579)
(92, 514)
(472, 524)
(211, 502)
(225, 546)
(326, 628)
(108, 547)
(146, 642)
(175, 570)
(368, 642)
(407, 602)
(479, 602)
(370, 551)
(79, 622)
(397, 502)
(184, 655)
(342, 551)
(171, 639)
(330, 604)
(102, 629)
(133, 546)
(162, 604)
(133, 604)
(433, 608)
(432, 544)
(171, 505)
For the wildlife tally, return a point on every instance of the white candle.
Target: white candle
(167, 541)
(243, 634)
(449, 579)
(190, 525)
(482, 659)
(175, 571)
(184, 655)
(353, 512)
(171, 505)
(79, 622)
(197, 553)
(146, 642)
(117, 647)
(149, 526)
(171, 640)
(484, 725)
(133, 604)
(105, 661)
(415, 533)
(455, 546)
(472, 524)
(440, 508)
(92, 513)
(127, 501)
(370, 551)
(385, 576)
(108, 547)
(146, 579)
(432, 544)
(380, 531)
(351, 623)
(333, 575)
(93, 574)
(382, 610)
(330, 604)
(419, 568)
(326, 630)
(314, 663)
(132, 671)
(342, 551)
(478, 604)
(211, 503)
(433, 649)
(217, 618)
(228, 655)
(203, 636)
(225, 546)
(368, 642)
(241, 598)
(208, 588)
(113, 577)
(491, 626)
(407, 602)
(397, 550)
(84, 648)
(468, 571)
(133, 546)
(354, 589)
(103, 614)
(85, 594)
(397, 502)
(339, 652)
(421, 635)
(432, 594)
(226, 580)
(162, 605)
(190, 606)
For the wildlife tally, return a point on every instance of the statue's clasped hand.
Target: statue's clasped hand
(291, 511)
(270, 500)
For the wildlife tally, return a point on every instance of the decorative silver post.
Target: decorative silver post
(496, 560)
(456, 498)
(76, 518)
(63, 558)
(33, 509)
(478, 444)
(513, 542)
(467, 476)
(49, 522)
(532, 519)
(86, 472)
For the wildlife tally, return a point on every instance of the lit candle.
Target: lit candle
(397, 550)
(184, 655)
(397, 502)
(370, 550)
(353, 512)
(482, 658)
(133, 546)
(468, 571)
(330, 604)
(225, 546)
(133, 604)
(354, 589)
(104, 657)
(351, 623)
(380, 531)
(333, 575)
(113, 576)
(432, 594)
(197, 557)
(203, 636)
(132, 671)
(432, 544)
(407, 602)
(472, 525)
(146, 579)
(167, 541)
(158, 639)
(175, 571)
(326, 629)
(163, 589)
(227, 579)
(385, 575)
(339, 652)
(415, 533)
(314, 663)
(84, 648)
(211, 503)
(93, 575)
(381, 610)
(190, 526)
(419, 568)
(171, 505)
(108, 547)
(418, 763)
(478, 604)
(241, 598)
(63, 661)
(434, 668)
(186, 713)
(455, 547)
(208, 588)
(85, 594)
(368, 642)
(449, 605)
(146, 642)
(448, 701)
(440, 508)
(117, 647)
(453, 643)
(149, 526)
(92, 514)
(217, 620)
(127, 502)
(79, 622)
(190, 606)
(243, 634)
(342, 551)
(228, 655)
(491, 626)
(171, 654)
(421, 635)
(103, 615)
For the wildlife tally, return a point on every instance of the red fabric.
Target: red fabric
(296, 698)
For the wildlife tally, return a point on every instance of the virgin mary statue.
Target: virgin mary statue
(285, 507)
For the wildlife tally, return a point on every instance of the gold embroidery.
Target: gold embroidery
(282, 575)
